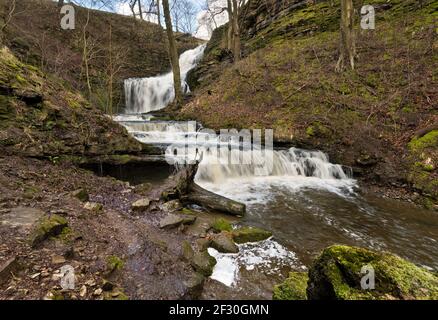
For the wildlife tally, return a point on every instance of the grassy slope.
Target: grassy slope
(366, 118)
(35, 36)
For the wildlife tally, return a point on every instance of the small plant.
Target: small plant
(114, 263)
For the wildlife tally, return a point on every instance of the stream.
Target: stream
(307, 202)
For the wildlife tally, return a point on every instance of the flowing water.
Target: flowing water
(149, 94)
(307, 203)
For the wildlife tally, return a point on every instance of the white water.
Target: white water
(266, 256)
(150, 94)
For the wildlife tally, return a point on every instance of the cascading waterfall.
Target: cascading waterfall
(150, 94)
(293, 163)
(216, 167)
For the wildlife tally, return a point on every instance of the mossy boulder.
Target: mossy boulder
(81, 194)
(220, 225)
(141, 204)
(223, 242)
(423, 172)
(187, 250)
(203, 263)
(293, 288)
(93, 207)
(338, 272)
(46, 227)
(250, 234)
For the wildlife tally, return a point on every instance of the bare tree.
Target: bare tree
(347, 46)
(173, 53)
(7, 15)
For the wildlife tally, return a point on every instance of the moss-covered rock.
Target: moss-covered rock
(81, 194)
(187, 250)
(221, 224)
(293, 288)
(337, 275)
(250, 234)
(114, 263)
(46, 227)
(203, 263)
(223, 242)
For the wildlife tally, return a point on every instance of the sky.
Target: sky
(203, 23)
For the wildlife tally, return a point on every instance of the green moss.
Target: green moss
(293, 288)
(48, 227)
(203, 263)
(221, 225)
(428, 140)
(337, 274)
(310, 131)
(114, 263)
(250, 234)
(116, 294)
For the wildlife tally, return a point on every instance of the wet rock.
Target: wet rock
(172, 206)
(203, 243)
(250, 234)
(171, 221)
(174, 221)
(47, 227)
(187, 250)
(338, 273)
(94, 207)
(7, 269)
(81, 194)
(141, 204)
(203, 263)
(195, 285)
(223, 242)
(293, 288)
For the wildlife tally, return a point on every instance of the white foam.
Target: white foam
(268, 256)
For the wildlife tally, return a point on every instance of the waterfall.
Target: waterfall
(217, 167)
(150, 94)
(284, 163)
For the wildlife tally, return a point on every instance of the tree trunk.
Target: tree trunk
(211, 201)
(85, 54)
(158, 12)
(347, 45)
(236, 31)
(230, 32)
(140, 9)
(173, 54)
(182, 186)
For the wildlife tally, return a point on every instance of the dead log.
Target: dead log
(212, 201)
(182, 186)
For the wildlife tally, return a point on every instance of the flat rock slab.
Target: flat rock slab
(174, 221)
(141, 204)
(21, 217)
